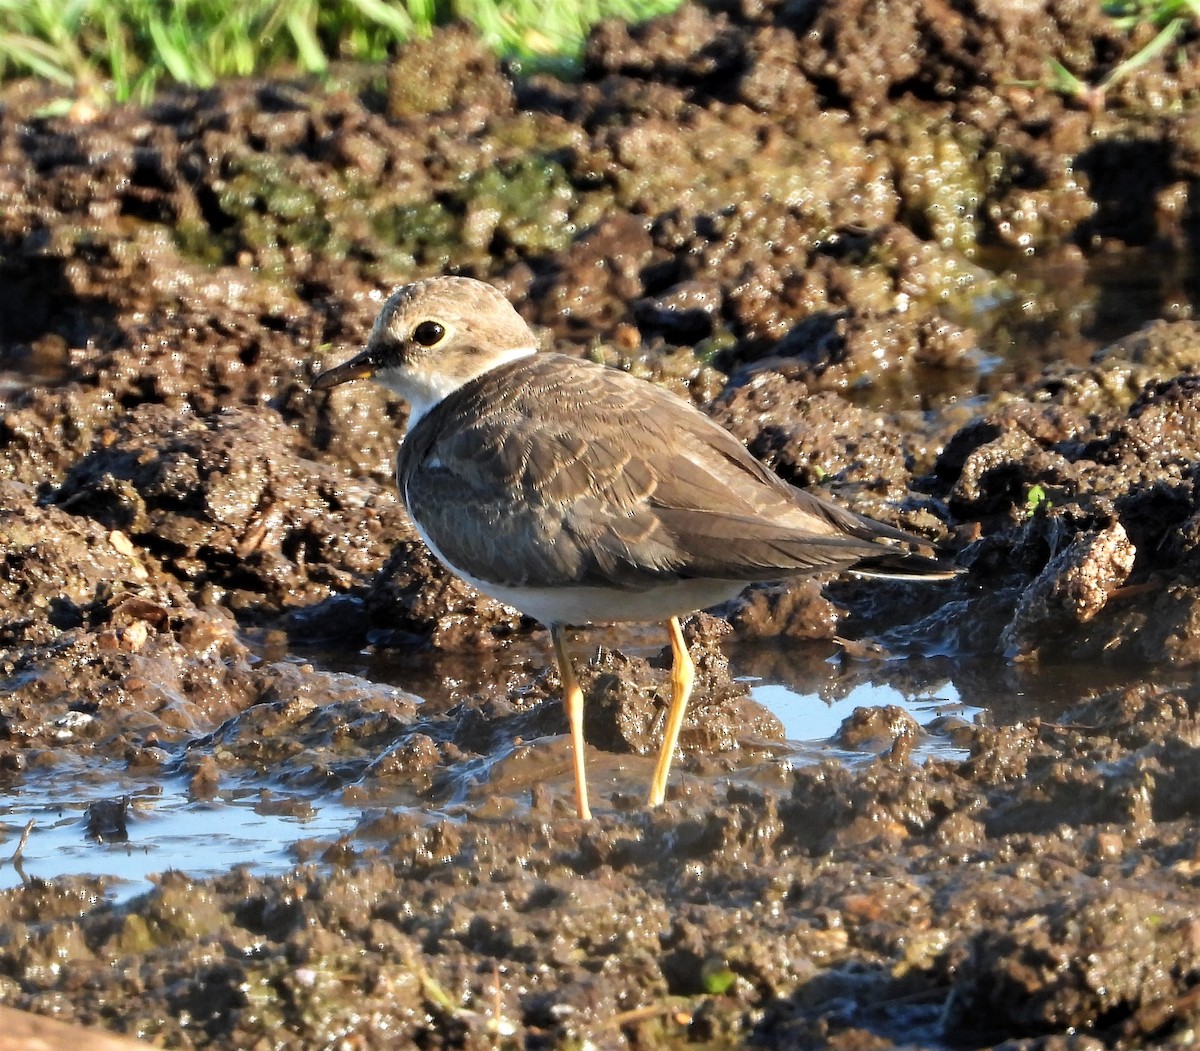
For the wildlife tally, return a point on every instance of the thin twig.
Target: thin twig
(15, 859)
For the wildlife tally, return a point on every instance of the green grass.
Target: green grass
(1168, 16)
(126, 49)
(101, 50)
(1128, 13)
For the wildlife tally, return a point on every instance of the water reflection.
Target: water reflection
(164, 829)
(260, 822)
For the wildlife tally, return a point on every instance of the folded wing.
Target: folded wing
(555, 472)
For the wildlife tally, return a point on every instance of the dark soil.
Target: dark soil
(791, 213)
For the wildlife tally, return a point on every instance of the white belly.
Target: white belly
(584, 605)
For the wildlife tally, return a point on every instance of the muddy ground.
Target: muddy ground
(819, 221)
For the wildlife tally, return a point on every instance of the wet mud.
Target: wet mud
(828, 225)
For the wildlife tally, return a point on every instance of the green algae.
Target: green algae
(523, 208)
(179, 911)
(940, 183)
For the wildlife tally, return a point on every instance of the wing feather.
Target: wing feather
(551, 472)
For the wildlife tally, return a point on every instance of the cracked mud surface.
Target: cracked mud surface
(790, 214)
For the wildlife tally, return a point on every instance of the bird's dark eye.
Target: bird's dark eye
(427, 333)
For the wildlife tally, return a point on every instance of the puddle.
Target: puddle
(811, 722)
(256, 824)
(164, 829)
(1064, 313)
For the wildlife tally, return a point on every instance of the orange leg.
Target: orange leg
(573, 703)
(683, 674)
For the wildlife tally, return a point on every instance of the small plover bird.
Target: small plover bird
(580, 494)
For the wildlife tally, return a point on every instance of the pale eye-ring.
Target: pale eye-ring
(427, 333)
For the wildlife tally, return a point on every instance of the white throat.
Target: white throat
(423, 390)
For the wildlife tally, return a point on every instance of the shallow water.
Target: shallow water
(1058, 311)
(269, 829)
(165, 829)
(812, 723)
